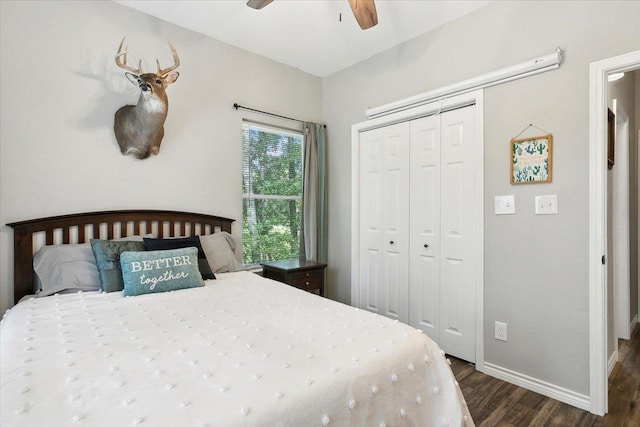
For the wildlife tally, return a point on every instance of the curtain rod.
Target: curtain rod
(236, 106)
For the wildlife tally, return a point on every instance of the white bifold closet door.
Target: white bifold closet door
(442, 260)
(417, 228)
(384, 221)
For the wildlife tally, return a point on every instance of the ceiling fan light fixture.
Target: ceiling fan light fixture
(363, 10)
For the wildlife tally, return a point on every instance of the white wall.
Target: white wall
(59, 90)
(623, 91)
(536, 267)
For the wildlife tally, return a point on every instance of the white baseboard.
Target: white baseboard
(546, 389)
(612, 362)
(633, 324)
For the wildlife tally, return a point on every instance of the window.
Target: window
(271, 193)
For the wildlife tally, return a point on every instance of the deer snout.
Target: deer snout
(145, 87)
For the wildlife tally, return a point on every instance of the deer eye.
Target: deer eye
(158, 81)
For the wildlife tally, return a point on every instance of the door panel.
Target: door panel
(424, 291)
(371, 276)
(384, 212)
(371, 253)
(459, 201)
(452, 315)
(395, 300)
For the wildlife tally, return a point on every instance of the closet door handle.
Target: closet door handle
(426, 246)
(391, 242)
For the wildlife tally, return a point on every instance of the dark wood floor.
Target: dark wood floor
(496, 403)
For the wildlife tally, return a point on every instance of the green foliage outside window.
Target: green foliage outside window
(272, 193)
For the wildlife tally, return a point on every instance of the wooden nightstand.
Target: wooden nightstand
(302, 274)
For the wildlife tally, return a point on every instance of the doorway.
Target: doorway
(619, 241)
(598, 309)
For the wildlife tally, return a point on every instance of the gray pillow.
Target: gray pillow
(65, 268)
(220, 251)
(107, 254)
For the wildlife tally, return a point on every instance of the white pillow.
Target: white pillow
(219, 249)
(66, 268)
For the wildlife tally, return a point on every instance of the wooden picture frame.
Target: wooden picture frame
(531, 159)
(611, 138)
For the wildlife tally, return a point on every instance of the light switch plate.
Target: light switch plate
(505, 205)
(547, 205)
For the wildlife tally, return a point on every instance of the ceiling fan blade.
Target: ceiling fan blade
(258, 4)
(365, 12)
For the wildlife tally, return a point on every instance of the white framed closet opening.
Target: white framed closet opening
(422, 261)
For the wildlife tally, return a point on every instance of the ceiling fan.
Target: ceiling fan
(363, 10)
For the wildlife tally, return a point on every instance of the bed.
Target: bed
(241, 350)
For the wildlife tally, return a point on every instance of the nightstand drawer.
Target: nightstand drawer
(303, 274)
(306, 281)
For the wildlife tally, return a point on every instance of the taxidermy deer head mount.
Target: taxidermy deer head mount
(139, 128)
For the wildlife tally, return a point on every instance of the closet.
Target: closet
(417, 228)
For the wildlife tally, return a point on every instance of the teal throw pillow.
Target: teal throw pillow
(107, 255)
(160, 271)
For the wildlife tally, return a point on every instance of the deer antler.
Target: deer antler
(121, 60)
(176, 62)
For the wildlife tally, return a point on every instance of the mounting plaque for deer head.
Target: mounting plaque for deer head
(139, 128)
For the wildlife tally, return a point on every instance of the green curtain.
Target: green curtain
(313, 239)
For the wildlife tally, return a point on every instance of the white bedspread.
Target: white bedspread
(241, 351)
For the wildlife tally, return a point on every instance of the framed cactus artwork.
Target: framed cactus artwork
(531, 159)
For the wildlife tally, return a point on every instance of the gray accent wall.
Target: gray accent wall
(535, 267)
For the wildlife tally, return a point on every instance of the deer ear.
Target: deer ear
(171, 77)
(132, 78)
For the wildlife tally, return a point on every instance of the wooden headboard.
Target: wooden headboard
(29, 235)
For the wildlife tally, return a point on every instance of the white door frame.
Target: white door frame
(475, 97)
(598, 72)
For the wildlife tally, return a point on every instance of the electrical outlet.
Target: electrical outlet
(501, 331)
